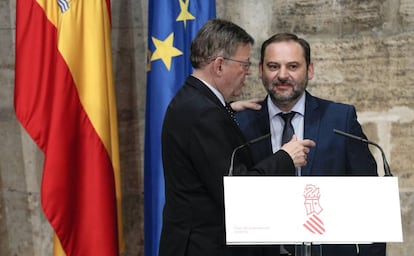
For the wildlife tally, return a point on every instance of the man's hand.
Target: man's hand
(246, 104)
(298, 150)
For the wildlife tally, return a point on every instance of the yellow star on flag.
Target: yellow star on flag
(184, 14)
(165, 50)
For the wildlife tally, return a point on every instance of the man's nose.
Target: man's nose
(283, 73)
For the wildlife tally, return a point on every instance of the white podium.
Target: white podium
(311, 210)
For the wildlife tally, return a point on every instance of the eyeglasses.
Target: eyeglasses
(245, 64)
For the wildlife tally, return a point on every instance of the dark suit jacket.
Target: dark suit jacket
(198, 138)
(333, 155)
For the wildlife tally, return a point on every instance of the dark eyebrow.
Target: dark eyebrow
(271, 63)
(294, 62)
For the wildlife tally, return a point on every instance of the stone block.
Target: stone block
(407, 212)
(406, 11)
(402, 161)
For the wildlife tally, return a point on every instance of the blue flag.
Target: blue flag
(172, 25)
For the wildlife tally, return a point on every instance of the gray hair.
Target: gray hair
(217, 37)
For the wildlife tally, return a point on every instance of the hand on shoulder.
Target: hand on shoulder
(241, 105)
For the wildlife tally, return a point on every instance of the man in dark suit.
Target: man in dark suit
(198, 138)
(285, 68)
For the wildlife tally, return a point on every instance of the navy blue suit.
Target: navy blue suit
(333, 155)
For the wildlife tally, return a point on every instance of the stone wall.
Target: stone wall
(363, 53)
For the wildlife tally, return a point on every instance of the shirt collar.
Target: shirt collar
(215, 91)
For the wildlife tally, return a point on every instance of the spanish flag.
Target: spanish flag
(65, 99)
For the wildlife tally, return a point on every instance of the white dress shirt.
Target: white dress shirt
(277, 123)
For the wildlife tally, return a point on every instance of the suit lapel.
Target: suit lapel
(311, 129)
(200, 86)
(262, 123)
(263, 118)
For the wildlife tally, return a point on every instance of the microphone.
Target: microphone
(387, 170)
(250, 142)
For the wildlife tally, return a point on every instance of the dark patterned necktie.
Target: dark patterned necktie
(231, 112)
(288, 130)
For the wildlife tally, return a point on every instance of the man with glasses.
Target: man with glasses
(245, 64)
(198, 138)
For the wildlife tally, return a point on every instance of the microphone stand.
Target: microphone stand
(387, 170)
(233, 154)
(304, 249)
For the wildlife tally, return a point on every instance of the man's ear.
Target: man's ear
(260, 73)
(310, 71)
(217, 65)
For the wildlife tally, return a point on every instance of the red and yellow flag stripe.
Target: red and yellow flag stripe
(64, 98)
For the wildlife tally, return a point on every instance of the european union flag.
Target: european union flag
(172, 25)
